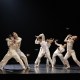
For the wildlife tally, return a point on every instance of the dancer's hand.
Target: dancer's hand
(7, 39)
(56, 40)
(69, 35)
(36, 36)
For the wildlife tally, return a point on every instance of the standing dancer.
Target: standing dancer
(43, 49)
(11, 54)
(70, 51)
(49, 42)
(20, 53)
(58, 52)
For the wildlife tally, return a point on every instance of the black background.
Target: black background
(32, 17)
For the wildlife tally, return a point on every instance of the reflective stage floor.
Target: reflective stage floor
(59, 69)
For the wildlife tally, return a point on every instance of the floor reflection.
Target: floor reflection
(16, 69)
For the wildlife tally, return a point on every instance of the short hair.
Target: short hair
(10, 36)
(15, 33)
(39, 38)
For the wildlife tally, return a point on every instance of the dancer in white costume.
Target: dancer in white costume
(70, 51)
(43, 49)
(49, 42)
(11, 54)
(20, 53)
(58, 52)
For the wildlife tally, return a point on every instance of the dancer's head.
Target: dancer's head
(69, 36)
(15, 34)
(39, 39)
(50, 40)
(11, 37)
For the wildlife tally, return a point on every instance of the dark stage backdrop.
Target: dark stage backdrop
(32, 17)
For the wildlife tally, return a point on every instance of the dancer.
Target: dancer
(43, 49)
(49, 42)
(20, 53)
(70, 51)
(11, 54)
(58, 52)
